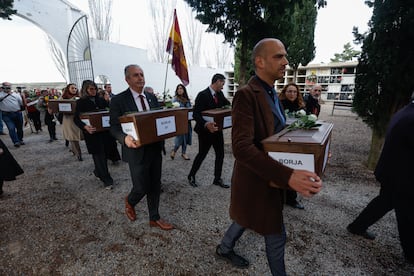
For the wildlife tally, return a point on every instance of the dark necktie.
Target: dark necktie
(144, 107)
(278, 107)
(215, 98)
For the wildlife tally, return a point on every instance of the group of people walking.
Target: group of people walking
(259, 184)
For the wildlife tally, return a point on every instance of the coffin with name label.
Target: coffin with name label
(190, 113)
(98, 119)
(301, 149)
(221, 116)
(156, 125)
(62, 105)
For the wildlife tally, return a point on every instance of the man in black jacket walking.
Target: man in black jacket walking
(208, 133)
(394, 172)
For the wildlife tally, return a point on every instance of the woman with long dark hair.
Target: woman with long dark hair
(183, 140)
(99, 144)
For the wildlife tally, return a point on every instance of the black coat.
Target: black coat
(205, 101)
(95, 141)
(394, 167)
(9, 168)
(291, 106)
(312, 105)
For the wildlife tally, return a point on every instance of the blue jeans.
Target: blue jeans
(180, 140)
(275, 247)
(14, 123)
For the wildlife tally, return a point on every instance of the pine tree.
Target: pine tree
(384, 76)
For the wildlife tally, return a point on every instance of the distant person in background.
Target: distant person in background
(292, 101)
(183, 140)
(394, 172)
(149, 89)
(10, 106)
(108, 89)
(50, 119)
(208, 133)
(291, 98)
(9, 166)
(70, 130)
(32, 112)
(312, 100)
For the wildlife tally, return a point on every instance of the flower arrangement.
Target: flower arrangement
(304, 121)
(294, 114)
(175, 104)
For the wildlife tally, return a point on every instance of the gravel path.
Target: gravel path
(57, 219)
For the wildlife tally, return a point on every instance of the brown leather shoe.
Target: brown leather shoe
(129, 210)
(161, 224)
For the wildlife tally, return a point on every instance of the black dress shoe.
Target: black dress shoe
(191, 181)
(296, 205)
(365, 234)
(233, 258)
(219, 182)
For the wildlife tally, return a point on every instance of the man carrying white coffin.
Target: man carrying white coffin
(258, 181)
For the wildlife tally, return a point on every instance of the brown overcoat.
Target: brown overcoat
(255, 204)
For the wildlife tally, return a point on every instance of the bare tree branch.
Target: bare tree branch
(100, 11)
(219, 54)
(161, 13)
(195, 32)
(57, 56)
(222, 51)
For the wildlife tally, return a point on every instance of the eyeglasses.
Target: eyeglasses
(7, 88)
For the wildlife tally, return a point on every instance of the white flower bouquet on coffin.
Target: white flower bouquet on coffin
(304, 121)
(175, 104)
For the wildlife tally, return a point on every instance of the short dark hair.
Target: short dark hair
(217, 77)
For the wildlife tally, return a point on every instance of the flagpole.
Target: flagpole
(165, 80)
(171, 50)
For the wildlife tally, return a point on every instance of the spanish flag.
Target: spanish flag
(175, 47)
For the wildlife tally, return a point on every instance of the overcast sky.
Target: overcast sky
(24, 52)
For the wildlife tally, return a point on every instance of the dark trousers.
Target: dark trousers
(205, 141)
(275, 247)
(291, 196)
(51, 125)
(146, 180)
(101, 168)
(374, 211)
(405, 222)
(381, 205)
(35, 117)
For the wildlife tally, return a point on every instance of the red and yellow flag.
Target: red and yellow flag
(175, 47)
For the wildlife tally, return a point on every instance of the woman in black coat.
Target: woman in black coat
(9, 166)
(101, 145)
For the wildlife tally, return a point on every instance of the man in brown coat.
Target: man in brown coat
(258, 181)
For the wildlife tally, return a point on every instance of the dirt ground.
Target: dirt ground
(57, 219)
